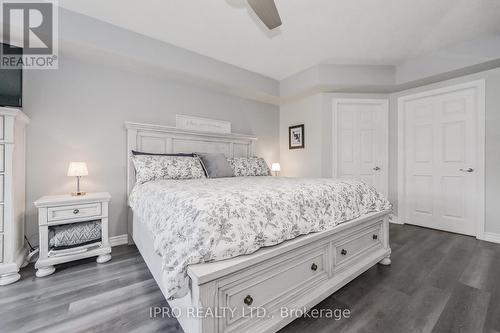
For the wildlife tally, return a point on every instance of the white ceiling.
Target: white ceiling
(382, 32)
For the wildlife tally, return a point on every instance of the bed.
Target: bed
(246, 293)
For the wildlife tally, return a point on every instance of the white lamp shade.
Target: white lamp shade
(77, 169)
(275, 167)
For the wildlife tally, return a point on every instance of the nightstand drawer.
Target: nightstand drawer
(2, 128)
(2, 158)
(1, 217)
(73, 211)
(1, 247)
(2, 178)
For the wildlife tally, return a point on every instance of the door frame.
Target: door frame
(384, 102)
(480, 87)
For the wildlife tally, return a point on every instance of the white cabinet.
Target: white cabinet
(12, 193)
(56, 210)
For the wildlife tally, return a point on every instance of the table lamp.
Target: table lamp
(275, 167)
(77, 169)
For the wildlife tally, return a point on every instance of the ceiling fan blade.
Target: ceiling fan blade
(268, 13)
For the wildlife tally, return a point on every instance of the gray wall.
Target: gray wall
(92, 39)
(450, 61)
(305, 162)
(345, 78)
(78, 111)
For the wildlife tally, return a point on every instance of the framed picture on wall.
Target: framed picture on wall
(296, 137)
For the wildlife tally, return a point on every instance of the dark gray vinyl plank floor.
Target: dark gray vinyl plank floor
(438, 282)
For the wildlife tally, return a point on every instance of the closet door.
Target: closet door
(360, 141)
(441, 151)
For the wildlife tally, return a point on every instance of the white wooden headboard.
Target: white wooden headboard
(165, 139)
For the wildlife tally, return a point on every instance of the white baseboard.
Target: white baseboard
(491, 237)
(393, 218)
(118, 240)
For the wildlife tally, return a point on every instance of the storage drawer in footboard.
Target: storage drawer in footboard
(269, 286)
(356, 245)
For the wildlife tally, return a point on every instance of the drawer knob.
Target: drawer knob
(314, 267)
(76, 211)
(248, 300)
(375, 237)
(343, 252)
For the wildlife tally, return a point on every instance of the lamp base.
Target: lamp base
(75, 194)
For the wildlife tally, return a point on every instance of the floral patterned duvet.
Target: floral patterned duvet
(203, 220)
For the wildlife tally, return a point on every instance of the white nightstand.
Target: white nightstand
(65, 209)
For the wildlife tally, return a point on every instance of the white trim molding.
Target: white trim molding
(393, 218)
(490, 237)
(480, 87)
(118, 240)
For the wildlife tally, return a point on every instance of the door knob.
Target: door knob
(376, 168)
(467, 170)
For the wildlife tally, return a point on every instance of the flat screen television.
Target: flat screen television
(11, 83)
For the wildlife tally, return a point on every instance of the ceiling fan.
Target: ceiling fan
(267, 12)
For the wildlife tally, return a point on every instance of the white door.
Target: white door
(360, 141)
(441, 158)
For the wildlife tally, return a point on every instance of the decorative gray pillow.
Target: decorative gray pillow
(68, 235)
(215, 165)
(157, 167)
(249, 166)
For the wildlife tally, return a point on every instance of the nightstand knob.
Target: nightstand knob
(375, 237)
(76, 211)
(314, 267)
(343, 252)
